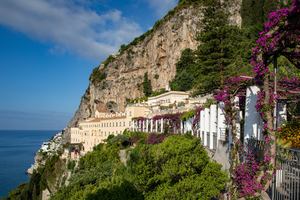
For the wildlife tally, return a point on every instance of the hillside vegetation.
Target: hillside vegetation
(176, 168)
(224, 50)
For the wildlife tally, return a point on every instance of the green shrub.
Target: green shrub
(187, 115)
(289, 134)
(178, 168)
(98, 75)
(158, 92)
(71, 164)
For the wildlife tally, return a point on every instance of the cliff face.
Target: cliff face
(156, 54)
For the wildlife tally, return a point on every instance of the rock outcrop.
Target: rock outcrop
(157, 54)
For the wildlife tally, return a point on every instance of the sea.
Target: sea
(17, 150)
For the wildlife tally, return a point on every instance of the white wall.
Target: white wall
(188, 125)
(207, 125)
(253, 122)
(221, 122)
(212, 125)
(202, 125)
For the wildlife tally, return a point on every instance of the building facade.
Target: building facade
(94, 131)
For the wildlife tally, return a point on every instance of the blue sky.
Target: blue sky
(49, 48)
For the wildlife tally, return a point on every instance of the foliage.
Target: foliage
(245, 176)
(158, 92)
(178, 168)
(255, 12)
(155, 138)
(219, 42)
(109, 59)
(187, 115)
(98, 75)
(171, 121)
(278, 37)
(222, 51)
(184, 78)
(209, 102)
(252, 13)
(71, 164)
(136, 100)
(41, 179)
(289, 135)
(156, 171)
(120, 140)
(136, 137)
(180, 104)
(147, 87)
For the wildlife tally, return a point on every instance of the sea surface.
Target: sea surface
(17, 150)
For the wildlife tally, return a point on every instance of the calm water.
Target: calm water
(17, 149)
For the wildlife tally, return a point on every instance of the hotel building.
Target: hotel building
(93, 131)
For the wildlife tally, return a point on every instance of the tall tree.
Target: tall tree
(219, 41)
(185, 71)
(252, 13)
(147, 85)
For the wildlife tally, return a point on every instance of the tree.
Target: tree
(219, 42)
(147, 87)
(252, 13)
(184, 78)
(178, 168)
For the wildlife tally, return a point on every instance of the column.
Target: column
(156, 126)
(181, 127)
(144, 125)
(238, 117)
(133, 125)
(206, 128)
(140, 126)
(151, 125)
(162, 125)
(202, 125)
(213, 127)
(252, 117)
(221, 131)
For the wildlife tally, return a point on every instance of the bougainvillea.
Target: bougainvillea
(173, 120)
(196, 119)
(244, 176)
(234, 87)
(279, 37)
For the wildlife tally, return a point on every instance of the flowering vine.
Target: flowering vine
(279, 37)
(196, 119)
(173, 120)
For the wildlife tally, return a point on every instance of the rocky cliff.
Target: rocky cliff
(156, 53)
